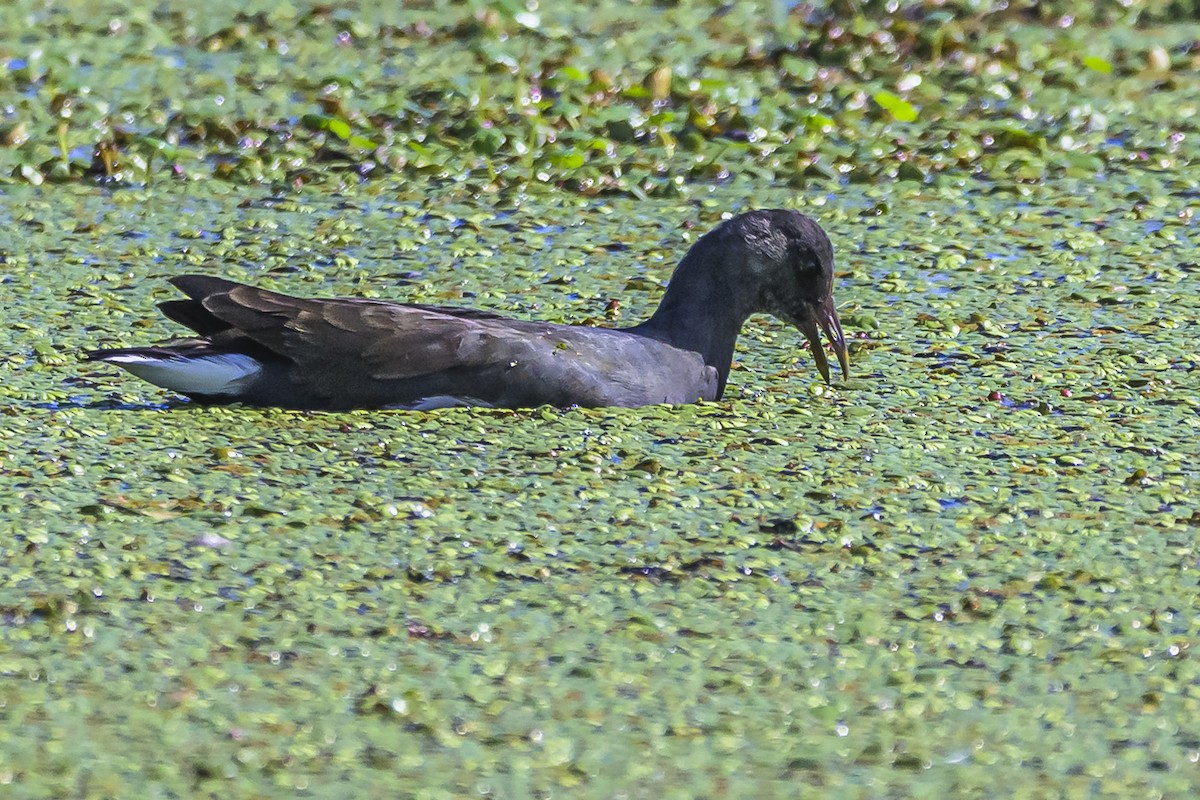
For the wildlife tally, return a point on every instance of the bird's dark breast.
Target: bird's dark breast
(567, 366)
(603, 367)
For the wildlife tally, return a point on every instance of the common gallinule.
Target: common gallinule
(269, 349)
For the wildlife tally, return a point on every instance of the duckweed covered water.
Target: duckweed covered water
(973, 563)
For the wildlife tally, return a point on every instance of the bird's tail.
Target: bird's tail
(187, 370)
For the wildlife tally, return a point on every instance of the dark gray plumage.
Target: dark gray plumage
(269, 349)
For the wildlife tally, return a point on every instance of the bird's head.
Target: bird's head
(789, 260)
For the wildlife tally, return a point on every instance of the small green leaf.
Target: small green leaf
(570, 160)
(820, 123)
(1098, 64)
(1011, 137)
(164, 148)
(573, 74)
(317, 122)
(897, 106)
(339, 128)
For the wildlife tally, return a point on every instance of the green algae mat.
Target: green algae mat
(970, 570)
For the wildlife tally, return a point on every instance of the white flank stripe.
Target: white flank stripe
(441, 401)
(225, 374)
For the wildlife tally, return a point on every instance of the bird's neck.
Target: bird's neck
(703, 311)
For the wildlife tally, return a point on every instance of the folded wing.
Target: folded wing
(352, 348)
